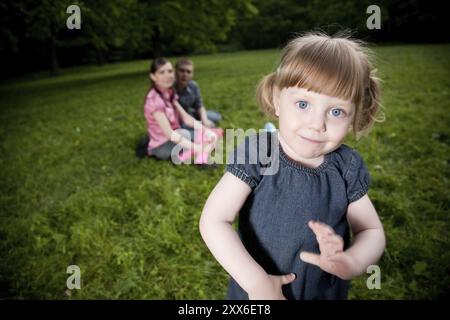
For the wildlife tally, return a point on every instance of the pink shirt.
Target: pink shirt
(153, 103)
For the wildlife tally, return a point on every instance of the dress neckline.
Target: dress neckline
(299, 166)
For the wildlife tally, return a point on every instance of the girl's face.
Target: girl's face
(311, 124)
(164, 76)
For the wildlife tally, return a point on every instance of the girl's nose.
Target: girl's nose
(317, 122)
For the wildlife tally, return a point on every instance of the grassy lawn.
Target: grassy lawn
(73, 192)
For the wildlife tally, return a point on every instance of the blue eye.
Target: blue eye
(335, 112)
(302, 104)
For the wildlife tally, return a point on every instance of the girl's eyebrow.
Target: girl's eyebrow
(306, 95)
(298, 95)
(342, 104)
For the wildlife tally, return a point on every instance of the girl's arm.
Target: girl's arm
(197, 125)
(204, 116)
(186, 117)
(369, 239)
(368, 245)
(174, 136)
(216, 228)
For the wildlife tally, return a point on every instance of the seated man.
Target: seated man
(189, 94)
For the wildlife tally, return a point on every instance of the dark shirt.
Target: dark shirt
(273, 220)
(190, 98)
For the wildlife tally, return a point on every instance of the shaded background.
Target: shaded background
(34, 35)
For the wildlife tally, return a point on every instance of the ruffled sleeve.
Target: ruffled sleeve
(243, 162)
(153, 103)
(357, 177)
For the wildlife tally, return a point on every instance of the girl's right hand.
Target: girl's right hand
(204, 148)
(210, 136)
(271, 289)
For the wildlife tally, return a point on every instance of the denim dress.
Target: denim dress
(273, 220)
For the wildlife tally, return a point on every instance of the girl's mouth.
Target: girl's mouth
(311, 140)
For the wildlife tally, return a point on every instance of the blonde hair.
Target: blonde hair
(333, 65)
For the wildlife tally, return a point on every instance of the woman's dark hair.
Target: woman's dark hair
(157, 63)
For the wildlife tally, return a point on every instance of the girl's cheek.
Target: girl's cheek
(337, 129)
(345, 130)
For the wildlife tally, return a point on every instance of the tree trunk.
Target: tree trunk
(54, 66)
(99, 56)
(156, 42)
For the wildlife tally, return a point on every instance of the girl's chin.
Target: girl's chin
(300, 153)
(308, 155)
(308, 151)
(165, 87)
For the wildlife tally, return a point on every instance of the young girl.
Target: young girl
(164, 115)
(293, 236)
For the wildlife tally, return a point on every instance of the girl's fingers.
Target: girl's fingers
(329, 242)
(316, 230)
(326, 239)
(329, 245)
(311, 258)
(320, 229)
(331, 249)
(287, 278)
(325, 229)
(334, 240)
(327, 250)
(339, 258)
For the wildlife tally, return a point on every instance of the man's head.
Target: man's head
(184, 71)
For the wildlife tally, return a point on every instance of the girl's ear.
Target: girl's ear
(151, 76)
(276, 101)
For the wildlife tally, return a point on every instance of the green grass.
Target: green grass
(72, 191)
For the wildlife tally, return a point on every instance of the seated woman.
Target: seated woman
(164, 115)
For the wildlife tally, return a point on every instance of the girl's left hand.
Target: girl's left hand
(208, 123)
(210, 136)
(332, 258)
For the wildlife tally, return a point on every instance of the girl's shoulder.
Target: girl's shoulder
(252, 158)
(167, 95)
(153, 94)
(348, 160)
(344, 153)
(154, 98)
(354, 171)
(153, 102)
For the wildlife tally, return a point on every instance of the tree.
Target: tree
(276, 22)
(43, 21)
(280, 20)
(192, 25)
